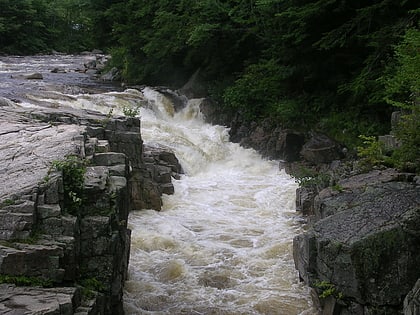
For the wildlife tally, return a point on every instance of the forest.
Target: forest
(337, 66)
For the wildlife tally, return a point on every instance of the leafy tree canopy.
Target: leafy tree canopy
(340, 66)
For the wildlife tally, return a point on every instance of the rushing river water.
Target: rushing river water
(222, 244)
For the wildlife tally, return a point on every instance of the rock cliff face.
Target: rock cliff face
(363, 251)
(62, 251)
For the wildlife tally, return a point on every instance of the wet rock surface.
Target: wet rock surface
(364, 242)
(361, 252)
(80, 253)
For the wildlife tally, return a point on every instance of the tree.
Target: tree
(403, 91)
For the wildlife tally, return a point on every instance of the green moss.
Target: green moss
(377, 253)
(90, 286)
(26, 281)
(337, 187)
(7, 202)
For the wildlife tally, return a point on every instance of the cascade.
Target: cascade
(222, 244)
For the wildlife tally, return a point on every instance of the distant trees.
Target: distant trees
(317, 63)
(32, 26)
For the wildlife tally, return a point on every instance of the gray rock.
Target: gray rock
(95, 241)
(109, 159)
(48, 211)
(96, 177)
(321, 149)
(112, 75)
(6, 102)
(32, 261)
(412, 300)
(366, 242)
(31, 76)
(27, 150)
(289, 143)
(27, 300)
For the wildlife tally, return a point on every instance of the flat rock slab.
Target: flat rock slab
(33, 300)
(27, 149)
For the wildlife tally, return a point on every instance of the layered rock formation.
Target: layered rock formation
(363, 251)
(63, 251)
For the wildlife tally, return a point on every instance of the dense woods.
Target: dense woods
(338, 66)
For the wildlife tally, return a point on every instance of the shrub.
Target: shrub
(73, 169)
(131, 111)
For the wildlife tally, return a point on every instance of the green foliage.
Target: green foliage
(7, 202)
(371, 153)
(90, 286)
(337, 187)
(26, 281)
(307, 177)
(32, 26)
(403, 86)
(310, 63)
(336, 66)
(407, 156)
(73, 169)
(403, 91)
(131, 111)
(328, 289)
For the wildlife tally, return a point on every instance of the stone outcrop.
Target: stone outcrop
(412, 300)
(361, 251)
(274, 141)
(71, 249)
(365, 244)
(321, 149)
(61, 301)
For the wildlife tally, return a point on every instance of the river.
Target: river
(222, 244)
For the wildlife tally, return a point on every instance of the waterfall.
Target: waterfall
(222, 244)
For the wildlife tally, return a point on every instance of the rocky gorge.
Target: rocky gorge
(70, 178)
(361, 250)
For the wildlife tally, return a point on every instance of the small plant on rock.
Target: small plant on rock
(90, 286)
(328, 289)
(131, 111)
(372, 153)
(73, 169)
(310, 178)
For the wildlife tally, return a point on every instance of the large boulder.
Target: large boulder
(321, 149)
(366, 244)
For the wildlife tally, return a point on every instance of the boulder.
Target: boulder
(412, 300)
(366, 243)
(321, 149)
(112, 75)
(27, 300)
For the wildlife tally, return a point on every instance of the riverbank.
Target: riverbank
(191, 257)
(361, 252)
(71, 176)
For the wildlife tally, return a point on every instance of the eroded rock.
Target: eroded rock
(366, 242)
